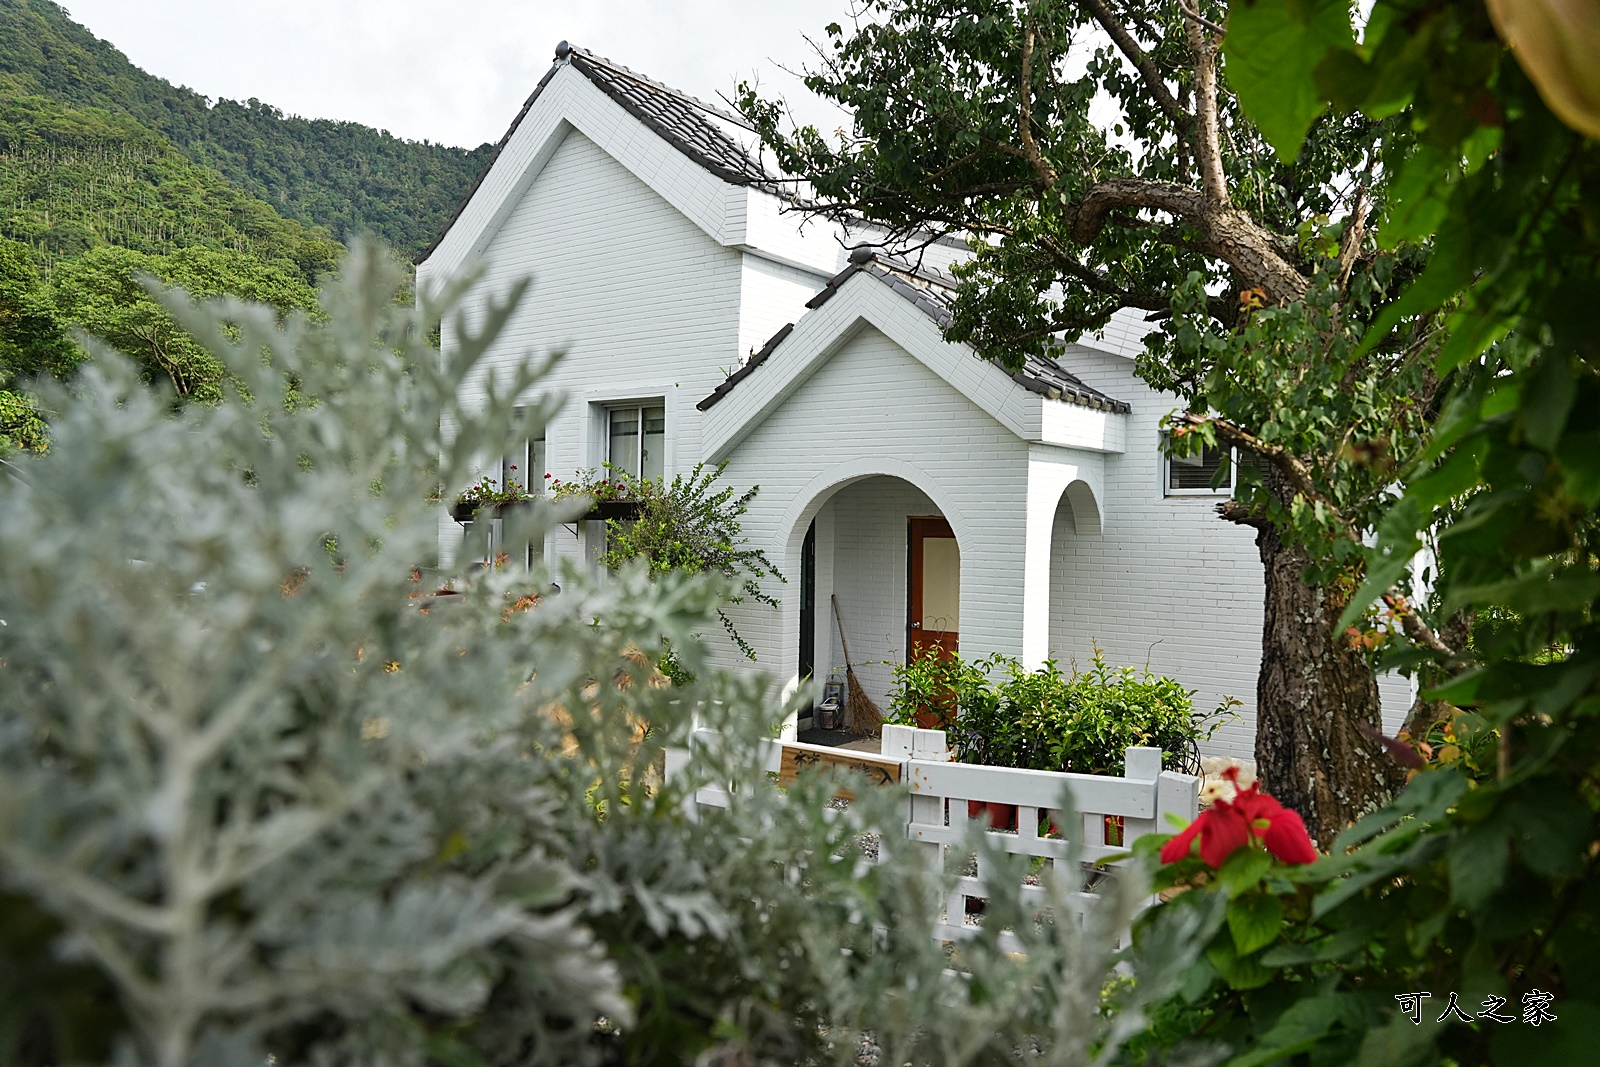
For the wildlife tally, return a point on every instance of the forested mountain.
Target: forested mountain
(109, 174)
(339, 175)
(73, 177)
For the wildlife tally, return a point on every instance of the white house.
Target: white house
(932, 491)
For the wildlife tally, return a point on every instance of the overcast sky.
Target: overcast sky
(453, 71)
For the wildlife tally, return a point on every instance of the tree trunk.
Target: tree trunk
(1312, 696)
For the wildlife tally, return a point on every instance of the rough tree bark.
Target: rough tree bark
(1313, 696)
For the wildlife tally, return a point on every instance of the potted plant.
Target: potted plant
(613, 497)
(488, 494)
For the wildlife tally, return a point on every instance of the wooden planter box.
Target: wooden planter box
(464, 513)
(615, 509)
(604, 509)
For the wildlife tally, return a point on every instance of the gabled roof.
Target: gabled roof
(930, 292)
(718, 141)
(706, 134)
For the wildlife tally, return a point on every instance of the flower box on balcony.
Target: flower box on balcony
(463, 511)
(615, 509)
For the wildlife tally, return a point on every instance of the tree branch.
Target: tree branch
(1089, 216)
(1292, 466)
(1194, 14)
(1234, 511)
(1414, 625)
(1208, 147)
(1066, 263)
(1030, 148)
(1141, 62)
(1224, 231)
(1350, 243)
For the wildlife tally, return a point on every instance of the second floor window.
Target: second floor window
(526, 466)
(637, 440)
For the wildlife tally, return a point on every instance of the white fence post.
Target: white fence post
(1144, 765)
(906, 743)
(677, 762)
(1176, 794)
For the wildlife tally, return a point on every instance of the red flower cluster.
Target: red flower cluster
(1227, 826)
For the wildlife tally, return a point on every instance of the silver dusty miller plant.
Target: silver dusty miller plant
(257, 799)
(222, 714)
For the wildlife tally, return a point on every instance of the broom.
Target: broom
(862, 714)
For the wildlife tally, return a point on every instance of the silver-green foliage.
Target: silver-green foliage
(263, 797)
(209, 774)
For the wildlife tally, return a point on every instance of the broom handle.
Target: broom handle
(840, 622)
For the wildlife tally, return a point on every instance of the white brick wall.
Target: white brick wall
(771, 295)
(570, 101)
(644, 302)
(1124, 335)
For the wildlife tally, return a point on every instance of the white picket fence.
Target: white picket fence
(940, 792)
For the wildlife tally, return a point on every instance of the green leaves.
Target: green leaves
(1273, 48)
(1239, 972)
(690, 525)
(1243, 871)
(1304, 1024)
(1477, 864)
(1418, 200)
(1254, 920)
(103, 294)
(20, 424)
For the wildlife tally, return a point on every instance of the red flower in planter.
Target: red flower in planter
(1226, 826)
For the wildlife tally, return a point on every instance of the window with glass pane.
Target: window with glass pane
(638, 438)
(1199, 472)
(538, 465)
(653, 444)
(525, 466)
(624, 450)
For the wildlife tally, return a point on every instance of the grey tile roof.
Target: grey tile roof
(717, 140)
(713, 138)
(745, 371)
(930, 291)
(706, 134)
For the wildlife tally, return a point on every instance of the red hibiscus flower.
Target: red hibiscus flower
(1227, 826)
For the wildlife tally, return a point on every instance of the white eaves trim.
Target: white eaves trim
(862, 300)
(732, 215)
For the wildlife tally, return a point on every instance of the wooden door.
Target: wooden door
(935, 593)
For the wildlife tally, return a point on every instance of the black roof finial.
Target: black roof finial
(563, 50)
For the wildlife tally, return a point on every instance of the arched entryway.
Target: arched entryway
(1077, 575)
(889, 549)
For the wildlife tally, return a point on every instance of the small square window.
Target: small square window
(1208, 472)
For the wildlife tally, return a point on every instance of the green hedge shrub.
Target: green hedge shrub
(999, 713)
